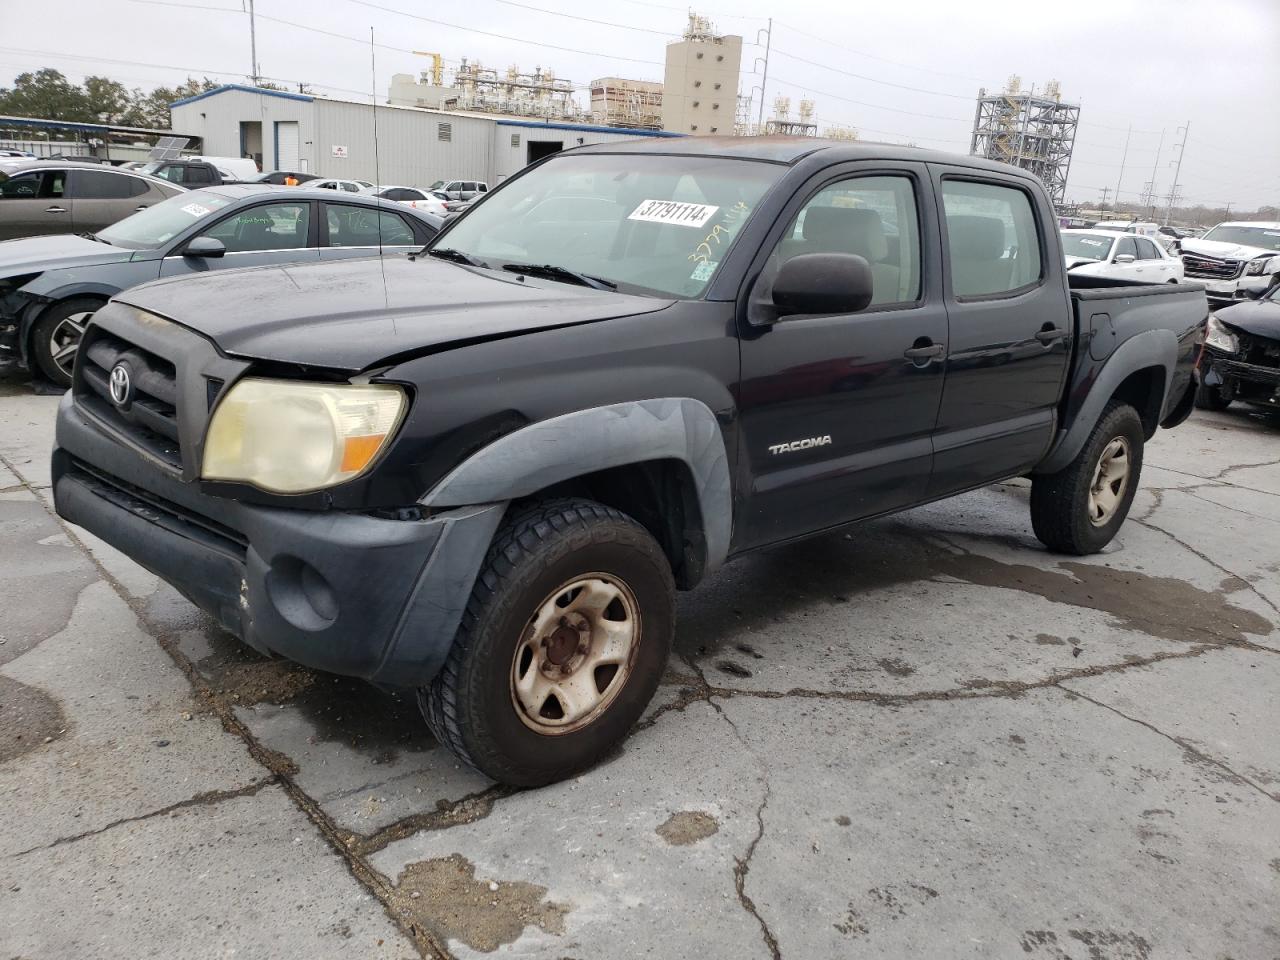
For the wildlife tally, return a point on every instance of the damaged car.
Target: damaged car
(51, 286)
(1242, 354)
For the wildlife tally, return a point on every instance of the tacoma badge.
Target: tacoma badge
(794, 445)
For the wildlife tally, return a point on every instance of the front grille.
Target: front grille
(1211, 268)
(149, 416)
(1258, 351)
(1249, 371)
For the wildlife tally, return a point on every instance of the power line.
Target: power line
(872, 56)
(574, 16)
(860, 76)
(863, 103)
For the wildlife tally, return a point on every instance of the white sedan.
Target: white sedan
(427, 200)
(346, 186)
(1122, 256)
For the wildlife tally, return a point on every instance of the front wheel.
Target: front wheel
(1081, 507)
(55, 338)
(561, 647)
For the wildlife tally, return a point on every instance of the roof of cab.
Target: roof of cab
(790, 150)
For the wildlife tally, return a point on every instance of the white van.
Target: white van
(233, 168)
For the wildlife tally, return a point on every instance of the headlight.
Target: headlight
(290, 437)
(1257, 268)
(1219, 337)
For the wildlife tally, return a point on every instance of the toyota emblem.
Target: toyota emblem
(121, 385)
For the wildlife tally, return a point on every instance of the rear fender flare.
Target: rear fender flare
(585, 441)
(1151, 348)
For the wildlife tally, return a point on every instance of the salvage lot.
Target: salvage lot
(926, 737)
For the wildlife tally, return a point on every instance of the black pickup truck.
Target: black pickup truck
(481, 472)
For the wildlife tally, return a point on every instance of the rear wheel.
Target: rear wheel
(562, 645)
(55, 338)
(1081, 507)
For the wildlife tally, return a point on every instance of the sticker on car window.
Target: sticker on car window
(1090, 242)
(703, 271)
(196, 209)
(673, 212)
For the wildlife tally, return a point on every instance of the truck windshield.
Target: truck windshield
(656, 225)
(1085, 246)
(158, 224)
(1268, 238)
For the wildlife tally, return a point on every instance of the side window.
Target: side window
(273, 226)
(1147, 250)
(24, 186)
(361, 226)
(198, 175)
(484, 187)
(350, 187)
(992, 242)
(95, 185)
(1126, 247)
(873, 217)
(171, 173)
(137, 187)
(327, 185)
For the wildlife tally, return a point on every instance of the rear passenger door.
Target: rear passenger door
(1010, 326)
(1153, 267)
(99, 198)
(358, 231)
(837, 411)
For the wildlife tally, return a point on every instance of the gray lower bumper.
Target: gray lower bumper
(346, 593)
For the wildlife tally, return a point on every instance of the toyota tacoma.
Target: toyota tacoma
(483, 472)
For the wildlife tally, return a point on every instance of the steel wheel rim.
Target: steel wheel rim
(64, 340)
(575, 654)
(1110, 481)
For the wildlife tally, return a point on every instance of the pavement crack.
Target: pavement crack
(1243, 466)
(468, 809)
(205, 799)
(742, 867)
(1190, 750)
(1213, 563)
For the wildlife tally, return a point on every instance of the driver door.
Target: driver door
(266, 233)
(837, 412)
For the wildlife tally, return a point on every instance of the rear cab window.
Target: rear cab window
(993, 240)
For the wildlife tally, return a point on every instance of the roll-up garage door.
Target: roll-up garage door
(286, 144)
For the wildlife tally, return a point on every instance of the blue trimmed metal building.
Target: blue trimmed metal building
(335, 138)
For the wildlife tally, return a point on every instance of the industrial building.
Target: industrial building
(335, 138)
(617, 102)
(700, 85)
(1034, 132)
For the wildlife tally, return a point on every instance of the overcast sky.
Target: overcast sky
(1155, 64)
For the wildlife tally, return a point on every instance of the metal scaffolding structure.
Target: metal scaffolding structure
(1033, 132)
(781, 123)
(635, 104)
(537, 94)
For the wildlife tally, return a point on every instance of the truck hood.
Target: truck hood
(1259, 317)
(37, 254)
(1224, 251)
(349, 315)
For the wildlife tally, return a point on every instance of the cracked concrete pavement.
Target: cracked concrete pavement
(924, 737)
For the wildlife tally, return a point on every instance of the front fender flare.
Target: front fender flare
(1151, 348)
(42, 299)
(585, 441)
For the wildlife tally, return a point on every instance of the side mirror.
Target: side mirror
(822, 283)
(206, 248)
(1124, 258)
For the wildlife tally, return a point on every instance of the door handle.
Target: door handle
(140, 207)
(1050, 334)
(55, 209)
(930, 352)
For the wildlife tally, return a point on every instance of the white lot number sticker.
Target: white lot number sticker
(1091, 242)
(196, 209)
(674, 212)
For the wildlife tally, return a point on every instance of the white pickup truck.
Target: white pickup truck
(1234, 260)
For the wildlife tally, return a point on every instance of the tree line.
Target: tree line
(49, 95)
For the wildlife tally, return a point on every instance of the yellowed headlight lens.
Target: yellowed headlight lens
(290, 437)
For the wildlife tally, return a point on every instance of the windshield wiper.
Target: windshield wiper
(553, 272)
(94, 237)
(456, 256)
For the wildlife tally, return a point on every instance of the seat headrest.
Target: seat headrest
(846, 230)
(976, 238)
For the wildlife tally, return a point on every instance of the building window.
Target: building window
(444, 132)
(699, 56)
(717, 86)
(693, 126)
(695, 103)
(698, 83)
(515, 139)
(719, 57)
(715, 106)
(713, 129)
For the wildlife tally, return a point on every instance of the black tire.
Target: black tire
(50, 325)
(1061, 514)
(471, 704)
(1212, 398)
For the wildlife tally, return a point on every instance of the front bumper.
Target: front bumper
(1246, 381)
(343, 592)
